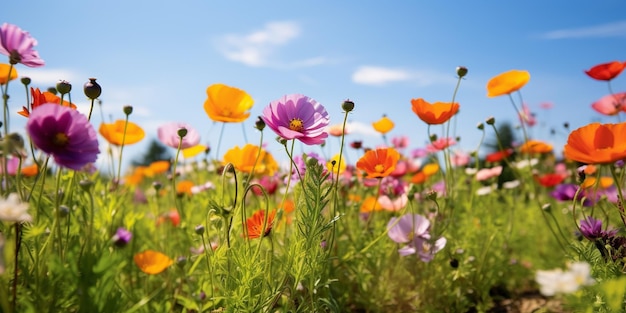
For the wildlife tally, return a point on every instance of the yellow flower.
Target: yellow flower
(383, 125)
(507, 82)
(4, 73)
(536, 147)
(227, 104)
(333, 168)
(193, 151)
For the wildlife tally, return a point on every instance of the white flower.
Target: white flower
(13, 210)
(511, 184)
(559, 281)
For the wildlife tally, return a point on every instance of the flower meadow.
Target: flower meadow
(435, 229)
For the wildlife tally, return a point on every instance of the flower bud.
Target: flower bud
(52, 90)
(199, 229)
(490, 120)
(182, 132)
(85, 184)
(480, 126)
(64, 211)
(25, 81)
(64, 87)
(128, 109)
(92, 89)
(433, 137)
(259, 124)
(156, 185)
(461, 71)
(347, 105)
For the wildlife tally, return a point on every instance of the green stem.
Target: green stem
(119, 165)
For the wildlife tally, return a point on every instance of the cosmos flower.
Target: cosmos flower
(65, 134)
(378, 163)
(12, 209)
(413, 230)
(122, 131)
(297, 117)
(557, 281)
(227, 104)
(610, 104)
(435, 113)
(606, 71)
(168, 135)
(596, 143)
(258, 226)
(18, 45)
(507, 82)
(122, 237)
(152, 262)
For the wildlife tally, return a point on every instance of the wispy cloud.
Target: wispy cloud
(48, 77)
(615, 29)
(362, 129)
(380, 76)
(257, 47)
(260, 48)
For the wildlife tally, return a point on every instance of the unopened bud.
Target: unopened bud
(347, 105)
(259, 124)
(25, 81)
(182, 132)
(480, 126)
(461, 71)
(128, 109)
(490, 120)
(64, 87)
(92, 89)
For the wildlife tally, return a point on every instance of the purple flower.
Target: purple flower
(412, 229)
(65, 134)
(122, 237)
(297, 117)
(591, 228)
(168, 134)
(567, 192)
(18, 45)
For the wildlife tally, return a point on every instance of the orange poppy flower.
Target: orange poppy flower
(507, 83)
(184, 187)
(597, 143)
(419, 178)
(30, 170)
(383, 125)
(436, 113)
(114, 132)
(606, 71)
(255, 224)
(370, 204)
(159, 167)
(244, 160)
(4, 73)
(378, 163)
(152, 262)
(227, 104)
(536, 147)
(39, 98)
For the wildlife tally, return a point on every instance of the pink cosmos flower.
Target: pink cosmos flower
(297, 117)
(412, 230)
(440, 144)
(546, 105)
(18, 45)
(400, 142)
(65, 134)
(459, 158)
(527, 117)
(487, 173)
(168, 134)
(610, 104)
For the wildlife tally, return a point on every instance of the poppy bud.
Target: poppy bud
(566, 125)
(52, 90)
(546, 207)
(92, 89)
(199, 229)
(480, 126)
(454, 263)
(25, 81)
(347, 105)
(433, 137)
(156, 185)
(182, 132)
(461, 71)
(490, 120)
(128, 109)
(64, 211)
(85, 184)
(259, 124)
(64, 87)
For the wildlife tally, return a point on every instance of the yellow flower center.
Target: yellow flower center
(296, 124)
(379, 168)
(60, 139)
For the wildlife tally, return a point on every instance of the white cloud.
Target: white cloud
(256, 48)
(616, 29)
(360, 128)
(48, 77)
(378, 76)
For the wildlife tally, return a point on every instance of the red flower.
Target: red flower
(258, 226)
(550, 180)
(499, 155)
(606, 71)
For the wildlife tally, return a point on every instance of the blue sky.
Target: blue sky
(160, 57)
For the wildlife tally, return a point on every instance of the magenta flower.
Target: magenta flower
(65, 134)
(297, 117)
(122, 237)
(18, 45)
(168, 134)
